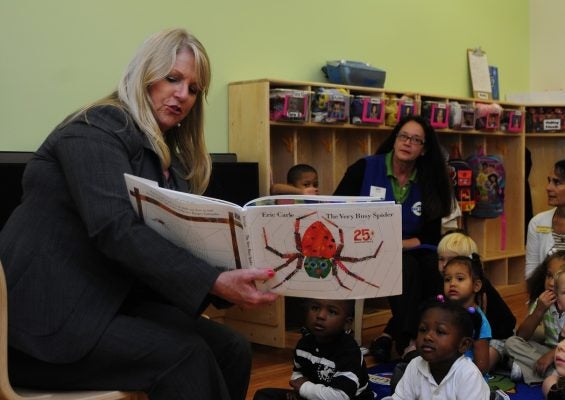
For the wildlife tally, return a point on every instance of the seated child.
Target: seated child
(463, 284)
(463, 277)
(533, 361)
(300, 179)
(328, 363)
(501, 319)
(442, 371)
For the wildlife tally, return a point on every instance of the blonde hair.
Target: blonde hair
(152, 62)
(458, 243)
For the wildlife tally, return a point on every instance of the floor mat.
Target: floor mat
(379, 378)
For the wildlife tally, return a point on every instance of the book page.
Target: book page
(285, 199)
(209, 229)
(332, 250)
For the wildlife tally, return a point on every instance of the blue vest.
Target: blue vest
(375, 175)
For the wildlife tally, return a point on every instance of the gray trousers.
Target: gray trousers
(526, 353)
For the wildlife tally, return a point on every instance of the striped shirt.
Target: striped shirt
(334, 370)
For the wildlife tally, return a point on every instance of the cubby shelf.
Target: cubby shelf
(331, 148)
(545, 148)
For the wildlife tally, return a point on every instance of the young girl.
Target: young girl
(463, 284)
(533, 360)
(445, 332)
(501, 319)
(554, 385)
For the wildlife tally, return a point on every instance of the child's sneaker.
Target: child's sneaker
(515, 372)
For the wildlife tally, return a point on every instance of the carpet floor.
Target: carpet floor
(380, 383)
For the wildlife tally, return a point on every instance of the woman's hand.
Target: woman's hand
(238, 287)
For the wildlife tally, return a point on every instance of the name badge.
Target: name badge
(378, 192)
(543, 229)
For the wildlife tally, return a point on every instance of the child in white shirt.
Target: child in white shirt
(445, 332)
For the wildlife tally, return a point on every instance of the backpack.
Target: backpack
(461, 175)
(489, 182)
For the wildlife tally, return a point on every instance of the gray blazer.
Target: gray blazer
(74, 248)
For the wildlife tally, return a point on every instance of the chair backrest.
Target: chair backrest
(6, 390)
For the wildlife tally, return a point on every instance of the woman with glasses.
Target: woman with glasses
(546, 230)
(410, 169)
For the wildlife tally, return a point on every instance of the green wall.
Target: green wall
(60, 54)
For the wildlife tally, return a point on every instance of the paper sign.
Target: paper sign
(480, 76)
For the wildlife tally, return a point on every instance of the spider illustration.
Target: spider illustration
(316, 250)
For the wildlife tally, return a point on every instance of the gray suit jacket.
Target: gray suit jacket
(74, 248)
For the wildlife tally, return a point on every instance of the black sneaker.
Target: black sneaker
(381, 349)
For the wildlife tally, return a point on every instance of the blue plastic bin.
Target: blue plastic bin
(354, 73)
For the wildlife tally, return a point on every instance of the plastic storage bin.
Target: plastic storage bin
(289, 105)
(330, 105)
(367, 110)
(354, 73)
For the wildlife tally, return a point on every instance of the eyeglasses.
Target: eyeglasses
(555, 181)
(403, 137)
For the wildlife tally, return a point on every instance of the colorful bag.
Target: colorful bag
(461, 176)
(489, 184)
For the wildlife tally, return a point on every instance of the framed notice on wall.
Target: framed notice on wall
(480, 76)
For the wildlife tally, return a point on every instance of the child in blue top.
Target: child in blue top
(462, 284)
(501, 319)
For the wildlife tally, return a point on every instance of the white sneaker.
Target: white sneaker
(515, 372)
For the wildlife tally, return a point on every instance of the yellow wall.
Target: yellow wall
(60, 54)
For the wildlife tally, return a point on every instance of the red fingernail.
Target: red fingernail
(271, 273)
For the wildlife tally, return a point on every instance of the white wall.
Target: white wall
(547, 45)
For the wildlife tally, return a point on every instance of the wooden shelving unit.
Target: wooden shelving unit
(546, 148)
(331, 148)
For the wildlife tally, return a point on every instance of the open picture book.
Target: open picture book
(341, 247)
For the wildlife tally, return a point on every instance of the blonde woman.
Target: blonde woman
(97, 299)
